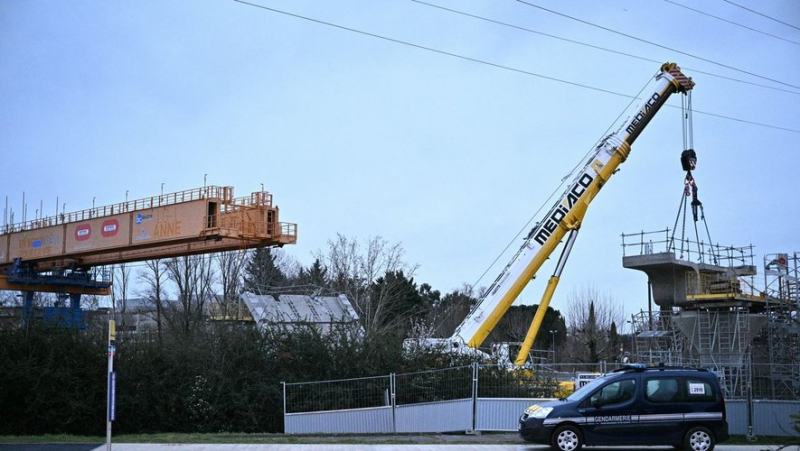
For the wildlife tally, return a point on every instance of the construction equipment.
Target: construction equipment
(565, 217)
(55, 254)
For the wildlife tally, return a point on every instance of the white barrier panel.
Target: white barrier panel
(442, 416)
(356, 421)
(501, 414)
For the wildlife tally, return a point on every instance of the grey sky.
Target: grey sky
(361, 136)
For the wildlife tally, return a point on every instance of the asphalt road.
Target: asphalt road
(342, 447)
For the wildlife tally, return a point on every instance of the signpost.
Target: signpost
(112, 381)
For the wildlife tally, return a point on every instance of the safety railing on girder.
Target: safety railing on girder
(288, 229)
(645, 243)
(224, 193)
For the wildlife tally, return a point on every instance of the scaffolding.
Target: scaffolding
(722, 340)
(711, 339)
(777, 354)
(657, 340)
(714, 314)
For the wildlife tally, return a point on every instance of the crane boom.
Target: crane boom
(567, 213)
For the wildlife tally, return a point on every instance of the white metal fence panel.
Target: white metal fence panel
(736, 414)
(495, 414)
(772, 417)
(448, 400)
(442, 416)
(355, 421)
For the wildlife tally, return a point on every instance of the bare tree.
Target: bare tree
(204, 288)
(356, 271)
(231, 265)
(9, 299)
(91, 301)
(590, 319)
(119, 294)
(153, 279)
(193, 277)
(288, 265)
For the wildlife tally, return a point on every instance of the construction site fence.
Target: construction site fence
(468, 398)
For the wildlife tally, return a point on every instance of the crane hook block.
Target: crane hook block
(688, 159)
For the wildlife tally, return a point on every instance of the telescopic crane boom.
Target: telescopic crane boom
(565, 216)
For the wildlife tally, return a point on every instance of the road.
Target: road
(342, 447)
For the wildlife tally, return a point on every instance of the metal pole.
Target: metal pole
(110, 407)
(633, 335)
(392, 389)
(283, 384)
(796, 282)
(649, 304)
(474, 397)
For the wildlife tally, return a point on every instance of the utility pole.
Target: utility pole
(112, 382)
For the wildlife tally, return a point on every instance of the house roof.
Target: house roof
(294, 308)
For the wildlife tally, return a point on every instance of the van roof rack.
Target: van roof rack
(660, 366)
(631, 367)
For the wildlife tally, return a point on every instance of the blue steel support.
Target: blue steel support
(75, 302)
(75, 312)
(27, 308)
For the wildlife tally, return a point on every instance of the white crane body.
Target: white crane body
(565, 215)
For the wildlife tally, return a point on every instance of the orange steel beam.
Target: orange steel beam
(31, 284)
(190, 222)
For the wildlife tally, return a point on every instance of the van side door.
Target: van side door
(661, 414)
(610, 413)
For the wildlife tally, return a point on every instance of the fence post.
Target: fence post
(474, 397)
(283, 384)
(393, 391)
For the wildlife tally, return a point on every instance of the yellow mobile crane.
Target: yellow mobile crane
(564, 217)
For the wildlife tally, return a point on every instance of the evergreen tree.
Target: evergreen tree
(316, 275)
(613, 339)
(446, 314)
(395, 300)
(514, 326)
(591, 335)
(262, 271)
(429, 295)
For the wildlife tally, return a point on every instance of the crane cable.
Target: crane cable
(475, 291)
(688, 162)
(581, 164)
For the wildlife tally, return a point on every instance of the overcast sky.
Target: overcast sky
(438, 130)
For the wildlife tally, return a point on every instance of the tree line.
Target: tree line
(198, 375)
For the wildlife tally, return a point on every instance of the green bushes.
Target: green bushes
(52, 381)
(222, 378)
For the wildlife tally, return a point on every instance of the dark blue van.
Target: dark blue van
(634, 406)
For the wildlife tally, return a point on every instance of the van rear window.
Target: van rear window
(666, 389)
(699, 390)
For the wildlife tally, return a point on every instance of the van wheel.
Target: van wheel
(566, 438)
(699, 439)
